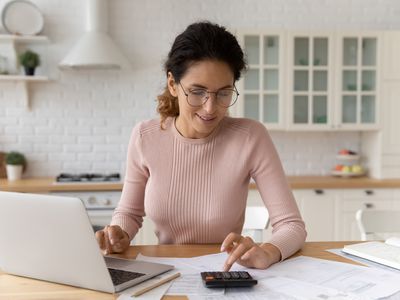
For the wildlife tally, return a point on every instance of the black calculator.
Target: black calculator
(227, 279)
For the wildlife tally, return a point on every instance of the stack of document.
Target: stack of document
(297, 278)
(387, 253)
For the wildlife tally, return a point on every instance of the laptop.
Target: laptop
(50, 238)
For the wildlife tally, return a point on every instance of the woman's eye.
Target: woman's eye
(224, 93)
(198, 92)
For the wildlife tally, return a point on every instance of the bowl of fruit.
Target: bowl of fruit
(349, 165)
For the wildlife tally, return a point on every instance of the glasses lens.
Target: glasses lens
(224, 97)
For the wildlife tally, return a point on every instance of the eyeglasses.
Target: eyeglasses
(198, 96)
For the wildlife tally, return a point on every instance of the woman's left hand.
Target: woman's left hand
(245, 252)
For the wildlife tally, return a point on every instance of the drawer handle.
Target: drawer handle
(319, 192)
(369, 205)
(369, 192)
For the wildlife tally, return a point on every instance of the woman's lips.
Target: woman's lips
(206, 118)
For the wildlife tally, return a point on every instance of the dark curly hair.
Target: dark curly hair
(200, 41)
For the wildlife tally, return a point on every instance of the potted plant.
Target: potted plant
(30, 60)
(15, 163)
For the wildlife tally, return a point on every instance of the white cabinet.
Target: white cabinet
(354, 199)
(317, 210)
(262, 86)
(312, 80)
(357, 81)
(329, 214)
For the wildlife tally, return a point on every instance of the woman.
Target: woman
(190, 170)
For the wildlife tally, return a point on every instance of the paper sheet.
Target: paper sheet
(281, 288)
(362, 260)
(361, 281)
(297, 278)
(154, 294)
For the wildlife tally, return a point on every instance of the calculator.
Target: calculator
(227, 279)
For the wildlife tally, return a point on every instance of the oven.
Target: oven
(100, 205)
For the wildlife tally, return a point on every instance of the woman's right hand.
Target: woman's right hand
(112, 239)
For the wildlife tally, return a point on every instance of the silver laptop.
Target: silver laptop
(51, 238)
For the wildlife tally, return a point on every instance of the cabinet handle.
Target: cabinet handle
(369, 205)
(319, 192)
(369, 192)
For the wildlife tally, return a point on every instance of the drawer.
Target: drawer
(354, 205)
(368, 194)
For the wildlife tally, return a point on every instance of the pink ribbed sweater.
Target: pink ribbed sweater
(195, 190)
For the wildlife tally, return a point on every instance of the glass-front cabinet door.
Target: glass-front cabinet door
(310, 73)
(357, 84)
(260, 89)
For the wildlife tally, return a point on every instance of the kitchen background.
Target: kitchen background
(80, 121)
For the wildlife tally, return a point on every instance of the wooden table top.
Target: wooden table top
(46, 184)
(14, 287)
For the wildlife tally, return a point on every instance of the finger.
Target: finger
(249, 254)
(107, 241)
(227, 244)
(100, 239)
(235, 255)
(115, 234)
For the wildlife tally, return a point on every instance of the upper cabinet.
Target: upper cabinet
(357, 83)
(311, 80)
(261, 88)
(309, 83)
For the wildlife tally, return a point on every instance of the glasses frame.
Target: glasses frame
(209, 96)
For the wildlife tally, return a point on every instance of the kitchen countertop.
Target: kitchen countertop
(45, 184)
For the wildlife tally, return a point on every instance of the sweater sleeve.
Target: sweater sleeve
(288, 228)
(130, 210)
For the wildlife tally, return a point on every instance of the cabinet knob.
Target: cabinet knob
(369, 205)
(319, 192)
(369, 192)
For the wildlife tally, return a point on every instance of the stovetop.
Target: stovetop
(88, 177)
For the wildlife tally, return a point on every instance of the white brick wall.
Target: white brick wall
(81, 121)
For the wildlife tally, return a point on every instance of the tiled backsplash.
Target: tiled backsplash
(81, 121)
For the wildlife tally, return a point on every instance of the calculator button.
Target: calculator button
(243, 274)
(226, 275)
(235, 275)
(218, 275)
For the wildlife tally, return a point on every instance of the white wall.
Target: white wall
(81, 121)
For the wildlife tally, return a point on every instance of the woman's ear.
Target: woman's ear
(172, 85)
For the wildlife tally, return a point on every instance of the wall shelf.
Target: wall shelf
(9, 44)
(22, 83)
(23, 39)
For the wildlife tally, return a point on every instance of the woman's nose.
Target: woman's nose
(211, 103)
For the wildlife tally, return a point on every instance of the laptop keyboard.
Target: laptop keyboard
(120, 276)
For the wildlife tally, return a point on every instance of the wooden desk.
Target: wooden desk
(14, 287)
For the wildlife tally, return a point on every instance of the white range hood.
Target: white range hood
(95, 50)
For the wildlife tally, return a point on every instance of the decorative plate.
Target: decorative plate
(22, 17)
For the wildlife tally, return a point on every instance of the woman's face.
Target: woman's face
(211, 75)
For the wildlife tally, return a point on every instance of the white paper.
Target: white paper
(362, 260)
(312, 278)
(154, 294)
(364, 282)
(191, 284)
(281, 288)
(394, 241)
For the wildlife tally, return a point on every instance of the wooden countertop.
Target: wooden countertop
(14, 287)
(45, 185)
